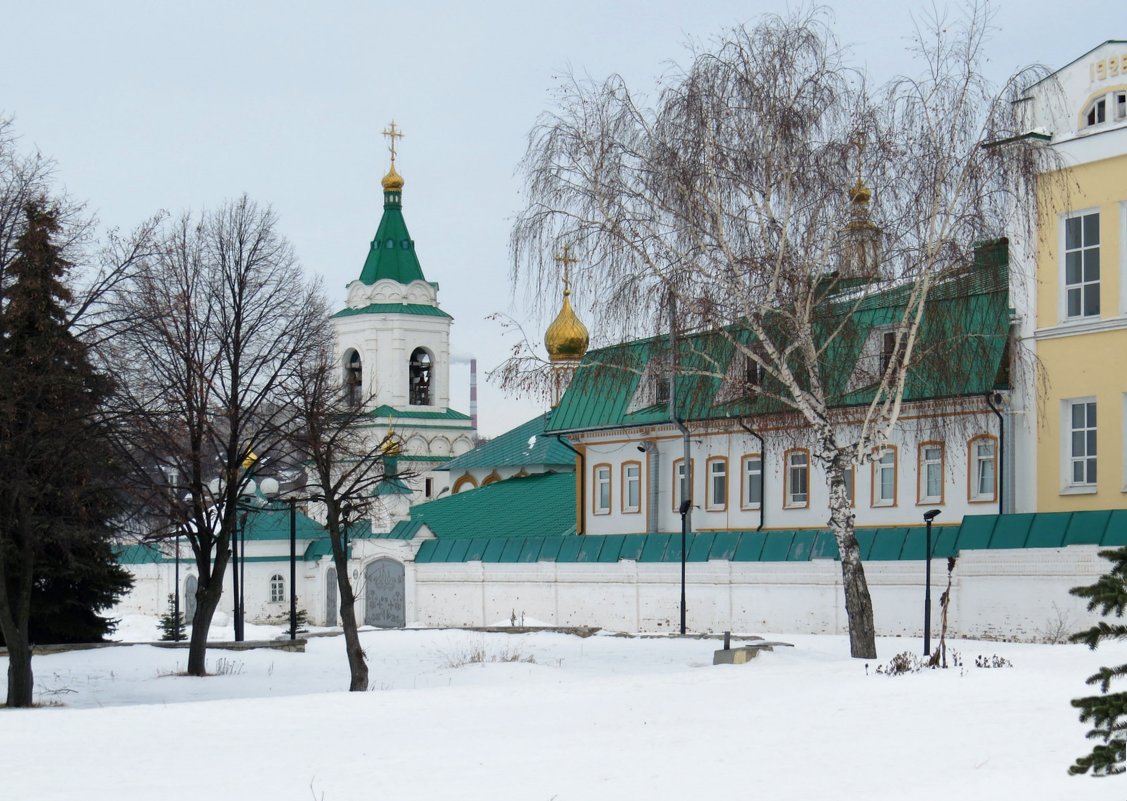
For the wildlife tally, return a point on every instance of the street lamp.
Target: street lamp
(928, 517)
(269, 488)
(686, 505)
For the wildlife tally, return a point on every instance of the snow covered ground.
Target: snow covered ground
(572, 719)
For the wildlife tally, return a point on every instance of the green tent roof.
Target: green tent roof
(542, 504)
(391, 412)
(527, 444)
(392, 252)
(966, 322)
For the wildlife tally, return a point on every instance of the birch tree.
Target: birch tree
(763, 178)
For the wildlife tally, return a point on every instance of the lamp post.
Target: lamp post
(269, 488)
(928, 517)
(685, 506)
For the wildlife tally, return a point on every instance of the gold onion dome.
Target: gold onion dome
(566, 338)
(393, 181)
(858, 194)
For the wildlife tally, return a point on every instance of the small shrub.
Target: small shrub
(904, 662)
(476, 654)
(994, 661)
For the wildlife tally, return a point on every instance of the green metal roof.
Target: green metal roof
(274, 524)
(538, 505)
(392, 252)
(976, 532)
(524, 445)
(139, 553)
(391, 412)
(966, 321)
(395, 308)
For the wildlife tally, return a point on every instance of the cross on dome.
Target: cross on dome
(392, 133)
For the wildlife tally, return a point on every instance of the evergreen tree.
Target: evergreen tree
(172, 622)
(57, 470)
(1107, 712)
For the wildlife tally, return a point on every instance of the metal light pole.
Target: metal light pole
(685, 506)
(235, 579)
(176, 604)
(293, 568)
(928, 517)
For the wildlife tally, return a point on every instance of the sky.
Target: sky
(147, 106)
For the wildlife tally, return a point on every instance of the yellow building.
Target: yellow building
(1079, 297)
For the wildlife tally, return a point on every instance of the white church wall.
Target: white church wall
(1019, 594)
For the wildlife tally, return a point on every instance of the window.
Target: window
(353, 380)
(682, 488)
(1120, 105)
(1082, 265)
(1082, 443)
(661, 390)
(632, 487)
(797, 479)
(1097, 112)
(602, 489)
(428, 488)
(982, 460)
(420, 377)
(277, 589)
(887, 350)
(850, 484)
(717, 484)
(754, 374)
(929, 480)
(753, 481)
(884, 478)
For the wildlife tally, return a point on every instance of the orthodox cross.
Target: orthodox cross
(392, 133)
(567, 260)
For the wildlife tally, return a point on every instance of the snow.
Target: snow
(531, 442)
(570, 718)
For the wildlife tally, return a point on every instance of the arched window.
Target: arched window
(419, 388)
(353, 380)
(277, 589)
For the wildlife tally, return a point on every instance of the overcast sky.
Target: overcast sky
(150, 105)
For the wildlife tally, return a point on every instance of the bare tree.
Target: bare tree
(210, 335)
(346, 464)
(729, 198)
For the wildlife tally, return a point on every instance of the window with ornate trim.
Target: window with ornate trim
(982, 461)
(682, 487)
(752, 470)
(465, 481)
(1082, 265)
(717, 484)
(277, 589)
(601, 489)
(796, 493)
(631, 487)
(929, 478)
(884, 477)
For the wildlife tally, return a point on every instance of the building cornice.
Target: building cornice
(1078, 327)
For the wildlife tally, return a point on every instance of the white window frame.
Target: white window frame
(600, 503)
(1069, 486)
(880, 467)
(926, 465)
(631, 485)
(752, 479)
(792, 499)
(714, 504)
(1063, 283)
(974, 492)
(277, 588)
(679, 483)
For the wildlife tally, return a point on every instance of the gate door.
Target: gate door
(384, 593)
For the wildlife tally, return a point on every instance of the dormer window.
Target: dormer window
(1120, 105)
(661, 389)
(887, 350)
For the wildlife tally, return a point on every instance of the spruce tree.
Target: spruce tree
(172, 623)
(1107, 712)
(57, 468)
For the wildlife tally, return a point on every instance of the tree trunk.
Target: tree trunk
(20, 679)
(206, 604)
(357, 666)
(858, 603)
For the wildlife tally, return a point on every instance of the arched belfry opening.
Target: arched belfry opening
(421, 373)
(353, 380)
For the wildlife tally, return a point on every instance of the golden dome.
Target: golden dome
(393, 181)
(858, 194)
(566, 338)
